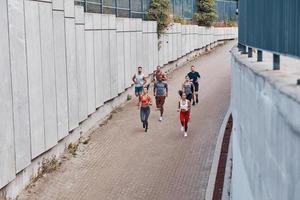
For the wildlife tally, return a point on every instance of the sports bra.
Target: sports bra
(145, 100)
(184, 105)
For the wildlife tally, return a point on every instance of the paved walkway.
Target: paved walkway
(121, 162)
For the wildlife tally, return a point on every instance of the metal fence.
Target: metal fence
(271, 25)
(121, 8)
(184, 8)
(226, 10)
(136, 8)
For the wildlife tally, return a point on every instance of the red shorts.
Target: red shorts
(160, 101)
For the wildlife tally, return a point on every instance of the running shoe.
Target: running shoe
(197, 100)
(193, 103)
(144, 126)
(182, 129)
(160, 119)
(185, 134)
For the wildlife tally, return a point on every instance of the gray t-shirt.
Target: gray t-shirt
(187, 88)
(161, 88)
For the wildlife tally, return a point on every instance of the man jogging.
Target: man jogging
(194, 76)
(139, 81)
(160, 93)
(159, 73)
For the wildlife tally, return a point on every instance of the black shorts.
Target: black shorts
(196, 86)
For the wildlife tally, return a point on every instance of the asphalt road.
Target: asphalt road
(121, 162)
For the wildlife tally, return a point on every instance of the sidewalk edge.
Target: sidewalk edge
(214, 168)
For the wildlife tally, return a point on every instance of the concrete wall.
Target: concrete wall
(266, 138)
(59, 65)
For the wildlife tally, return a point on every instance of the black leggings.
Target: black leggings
(144, 114)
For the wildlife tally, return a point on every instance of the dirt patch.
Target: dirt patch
(218, 190)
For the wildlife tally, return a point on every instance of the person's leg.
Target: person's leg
(147, 113)
(136, 92)
(161, 102)
(196, 92)
(142, 115)
(182, 121)
(162, 110)
(190, 97)
(157, 102)
(186, 121)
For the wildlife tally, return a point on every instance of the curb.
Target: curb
(214, 168)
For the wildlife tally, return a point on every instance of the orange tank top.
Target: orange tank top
(145, 100)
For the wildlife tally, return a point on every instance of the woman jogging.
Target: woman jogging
(188, 88)
(145, 103)
(184, 107)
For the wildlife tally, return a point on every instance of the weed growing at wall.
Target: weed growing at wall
(206, 14)
(180, 20)
(159, 11)
(72, 148)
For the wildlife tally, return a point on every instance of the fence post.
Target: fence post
(242, 48)
(250, 52)
(259, 56)
(116, 10)
(276, 62)
(130, 14)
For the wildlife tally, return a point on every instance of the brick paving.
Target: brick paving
(121, 162)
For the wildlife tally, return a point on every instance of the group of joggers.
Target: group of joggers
(188, 95)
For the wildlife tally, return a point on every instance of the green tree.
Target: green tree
(159, 11)
(206, 14)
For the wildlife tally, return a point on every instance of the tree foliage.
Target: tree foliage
(159, 11)
(206, 14)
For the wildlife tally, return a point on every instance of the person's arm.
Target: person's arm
(145, 81)
(154, 90)
(150, 101)
(167, 90)
(140, 102)
(198, 75)
(153, 77)
(133, 78)
(189, 106)
(178, 110)
(164, 77)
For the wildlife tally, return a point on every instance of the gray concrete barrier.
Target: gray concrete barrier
(266, 137)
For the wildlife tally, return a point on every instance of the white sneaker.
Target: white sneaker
(185, 134)
(182, 129)
(160, 119)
